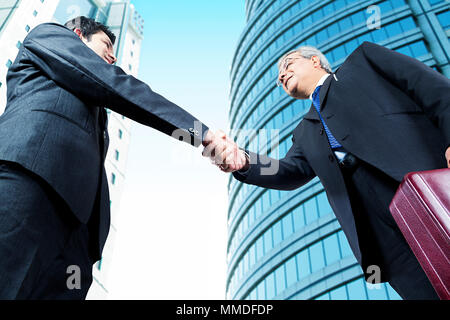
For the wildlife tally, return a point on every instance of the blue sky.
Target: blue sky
(171, 232)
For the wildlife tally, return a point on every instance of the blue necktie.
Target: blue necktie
(316, 102)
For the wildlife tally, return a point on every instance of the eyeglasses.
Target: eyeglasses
(283, 68)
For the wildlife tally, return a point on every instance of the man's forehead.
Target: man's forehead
(289, 56)
(102, 34)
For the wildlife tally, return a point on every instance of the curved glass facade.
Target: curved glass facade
(289, 244)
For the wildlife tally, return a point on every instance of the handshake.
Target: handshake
(224, 152)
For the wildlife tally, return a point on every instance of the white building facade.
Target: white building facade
(17, 18)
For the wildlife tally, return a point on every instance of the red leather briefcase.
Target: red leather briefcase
(421, 208)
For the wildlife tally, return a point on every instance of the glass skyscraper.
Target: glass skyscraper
(289, 244)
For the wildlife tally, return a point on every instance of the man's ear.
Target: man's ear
(316, 61)
(79, 34)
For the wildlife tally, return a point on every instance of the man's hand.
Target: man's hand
(447, 156)
(224, 152)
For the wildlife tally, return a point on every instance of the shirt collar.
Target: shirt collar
(321, 81)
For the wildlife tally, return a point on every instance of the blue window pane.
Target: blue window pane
(265, 201)
(261, 291)
(393, 295)
(274, 196)
(277, 236)
(270, 286)
(345, 24)
(333, 30)
(407, 24)
(339, 294)
(303, 265)
(246, 262)
(299, 218)
(358, 18)
(376, 292)
(418, 49)
(351, 46)
(356, 290)
(339, 4)
(345, 247)
(328, 9)
(339, 53)
(310, 210)
(393, 29)
(316, 257)
(280, 278)
(433, 2)
(406, 50)
(331, 246)
(259, 249)
(379, 35)
(252, 255)
(398, 3)
(325, 296)
(287, 226)
(322, 36)
(324, 205)
(291, 272)
(268, 245)
(385, 7)
(444, 19)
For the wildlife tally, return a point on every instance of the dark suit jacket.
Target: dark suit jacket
(388, 109)
(55, 124)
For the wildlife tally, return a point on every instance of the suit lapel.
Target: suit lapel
(324, 91)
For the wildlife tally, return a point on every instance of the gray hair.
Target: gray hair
(308, 52)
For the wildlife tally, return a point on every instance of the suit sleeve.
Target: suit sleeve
(289, 173)
(64, 58)
(430, 89)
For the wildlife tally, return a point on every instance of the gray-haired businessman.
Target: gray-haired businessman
(381, 115)
(54, 200)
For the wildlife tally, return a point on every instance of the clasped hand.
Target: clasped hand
(224, 152)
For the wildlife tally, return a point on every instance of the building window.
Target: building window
(8, 63)
(120, 134)
(117, 155)
(130, 67)
(99, 265)
(113, 178)
(132, 53)
(18, 44)
(27, 28)
(35, 13)
(133, 41)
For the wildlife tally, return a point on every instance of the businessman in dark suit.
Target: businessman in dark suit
(54, 207)
(380, 116)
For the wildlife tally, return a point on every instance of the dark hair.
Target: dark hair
(89, 27)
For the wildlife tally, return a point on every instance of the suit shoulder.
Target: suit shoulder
(48, 28)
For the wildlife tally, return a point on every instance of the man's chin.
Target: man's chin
(297, 94)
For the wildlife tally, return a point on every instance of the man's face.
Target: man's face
(100, 44)
(296, 74)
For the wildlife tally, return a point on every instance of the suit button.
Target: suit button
(321, 132)
(331, 157)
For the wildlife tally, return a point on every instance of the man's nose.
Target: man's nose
(112, 58)
(281, 76)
